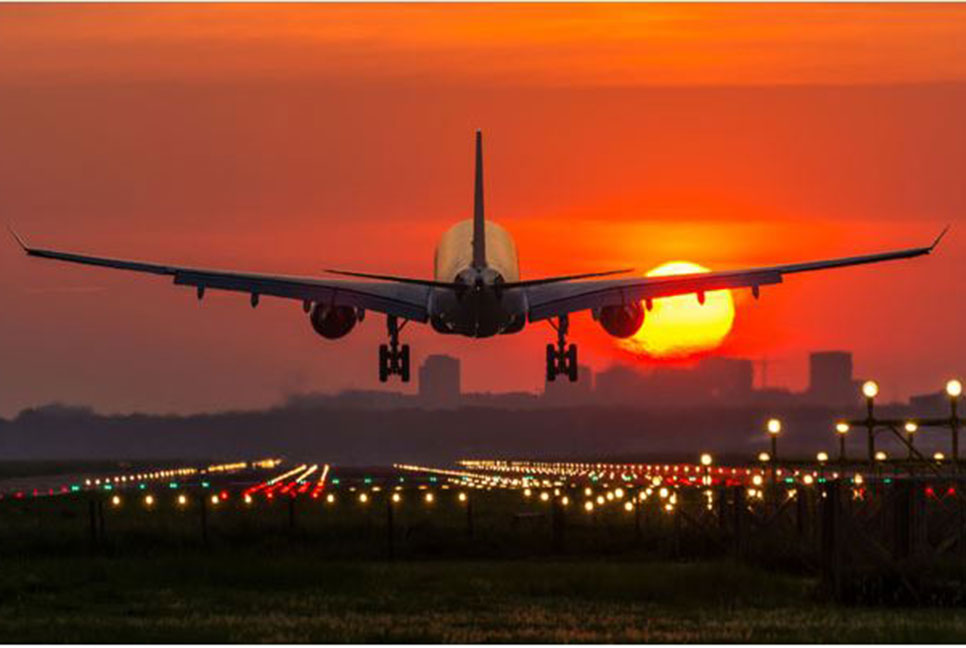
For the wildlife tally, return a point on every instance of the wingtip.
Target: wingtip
(17, 238)
(939, 238)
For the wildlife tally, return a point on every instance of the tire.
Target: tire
(572, 363)
(551, 363)
(404, 363)
(383, 363)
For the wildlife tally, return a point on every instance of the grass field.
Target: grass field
(290, 596)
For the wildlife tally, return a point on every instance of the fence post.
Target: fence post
(739, 522)
(204, 519)
(92, 515)
(832, 538)
(557, 523)
(390, 530)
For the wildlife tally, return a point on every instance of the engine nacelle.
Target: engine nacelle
(621, 321)
(332, 322)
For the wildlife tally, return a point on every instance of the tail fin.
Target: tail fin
(479, 225)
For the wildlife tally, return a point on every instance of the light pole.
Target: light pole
(841, 429)
(706, 461)
(774, 427)
(911, 427)
(870, 389)
(954, 388)
(822, 458)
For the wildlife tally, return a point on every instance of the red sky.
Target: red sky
(297, 137)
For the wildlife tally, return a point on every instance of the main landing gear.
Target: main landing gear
(393, 358)
(561, 358)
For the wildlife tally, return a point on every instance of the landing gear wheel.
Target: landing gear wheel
(572, 363)
(404, 363)
(393, 359)
(383, 363)
(561, 358)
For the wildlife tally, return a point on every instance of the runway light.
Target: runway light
(619, 493)
(954, 388)
(841, 427)
(182, 500)
(396, 497)
(808, 480)
(330, 498)
(149, 500)
(774, 426)
(939, 456)
(600, 500)
(880, 456)
(363, 498)
(628, 506)
(764, 457)
(544, 496)
(870, 389)
(663, 493)
(565, 500)
(757, 480)
(706, 459)
(526, 492)
(429, 498)
(248, 499)
(822, 457)
(215, 500)
(858, 480)
(116, 501)
(588, 491)
(588, 506)
(461, 497)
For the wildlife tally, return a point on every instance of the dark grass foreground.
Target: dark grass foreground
(290, 596)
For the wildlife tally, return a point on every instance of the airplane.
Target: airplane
(476, 290)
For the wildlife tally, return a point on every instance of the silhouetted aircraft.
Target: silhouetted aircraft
(476, 290)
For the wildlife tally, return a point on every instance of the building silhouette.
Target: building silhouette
(439, 382)
(830, 379)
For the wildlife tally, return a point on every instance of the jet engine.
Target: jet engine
(621, 321)
(332, 322)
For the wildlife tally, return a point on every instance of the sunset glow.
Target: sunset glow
(681, 326)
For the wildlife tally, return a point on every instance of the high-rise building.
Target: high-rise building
(830, 379)
(439, 382)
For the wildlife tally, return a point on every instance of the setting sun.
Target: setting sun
(681, 326)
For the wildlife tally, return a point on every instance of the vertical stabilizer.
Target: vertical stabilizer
(479, 225)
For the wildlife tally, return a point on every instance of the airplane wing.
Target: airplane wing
(402, 300)
(554, 300)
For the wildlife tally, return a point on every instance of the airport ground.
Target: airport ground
(305, 570)
(285, 594)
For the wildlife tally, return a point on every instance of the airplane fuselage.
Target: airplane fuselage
(481, 309)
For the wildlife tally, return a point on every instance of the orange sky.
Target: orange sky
(298, 137)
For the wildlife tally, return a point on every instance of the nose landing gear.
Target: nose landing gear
(561, 358)
(393, 358)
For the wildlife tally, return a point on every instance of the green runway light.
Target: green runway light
(335, 481)
(74, 488)
(142, 486)
(887, 480)
(172, 484)
(205, 485)
(367, 480)
(789, 480)
(108, 487)
(432, 479)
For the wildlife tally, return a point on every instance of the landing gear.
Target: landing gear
(561, 358)
(393, 358)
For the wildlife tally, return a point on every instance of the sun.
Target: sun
(681, 326)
